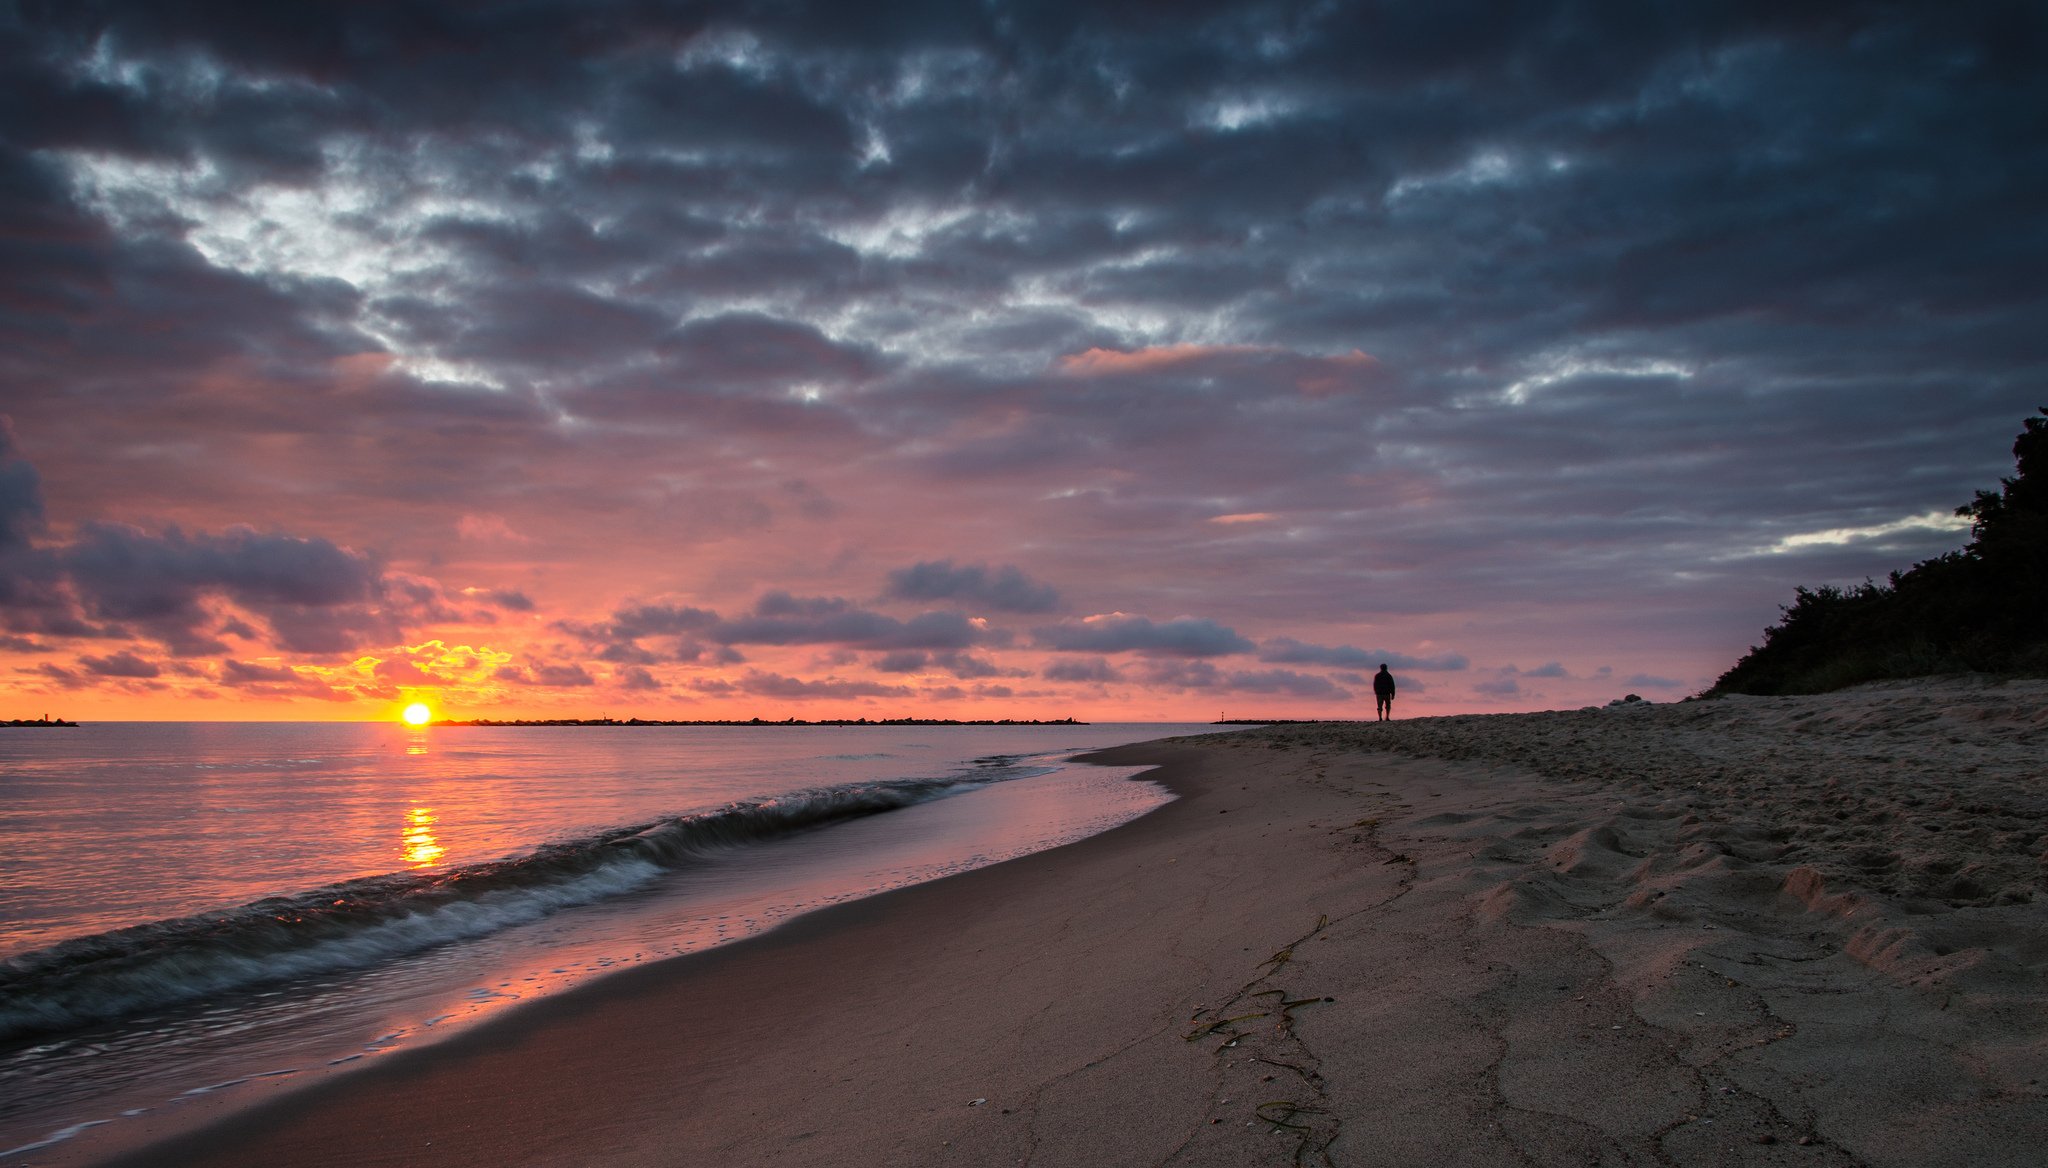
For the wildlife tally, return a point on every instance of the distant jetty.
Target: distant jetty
(763, 722)
(45, 720)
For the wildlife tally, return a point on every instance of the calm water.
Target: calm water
(193, 911)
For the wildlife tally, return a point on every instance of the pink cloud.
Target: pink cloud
(1109, 362)
(487, 528)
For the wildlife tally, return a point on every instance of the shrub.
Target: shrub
(1978, 609)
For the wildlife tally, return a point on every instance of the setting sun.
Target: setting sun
(417, 714)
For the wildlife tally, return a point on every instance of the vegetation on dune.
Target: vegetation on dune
(1981, 609)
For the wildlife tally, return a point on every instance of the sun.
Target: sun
(417, 714)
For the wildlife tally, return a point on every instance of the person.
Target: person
(1383, 693)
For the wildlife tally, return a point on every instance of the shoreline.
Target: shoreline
(321, 1122)
(1327, 952)
(762, 723)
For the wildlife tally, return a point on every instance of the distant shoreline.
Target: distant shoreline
(763, 722)
(46, 720)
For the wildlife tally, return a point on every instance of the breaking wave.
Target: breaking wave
(358, 923)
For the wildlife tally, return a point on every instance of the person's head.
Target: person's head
(1383, 667)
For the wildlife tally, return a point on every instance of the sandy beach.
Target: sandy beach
(1750, 931)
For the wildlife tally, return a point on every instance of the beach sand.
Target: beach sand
(1752, 931)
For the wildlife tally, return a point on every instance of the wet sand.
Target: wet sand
(1756, 931)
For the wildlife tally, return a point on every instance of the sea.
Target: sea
(195, 915)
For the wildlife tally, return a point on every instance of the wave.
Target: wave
(358, 923)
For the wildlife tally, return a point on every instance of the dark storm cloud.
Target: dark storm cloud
(1423, 310)
(529, 326)
(1005, 589)
(751, 350)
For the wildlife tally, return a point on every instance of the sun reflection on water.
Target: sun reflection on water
(420, 847)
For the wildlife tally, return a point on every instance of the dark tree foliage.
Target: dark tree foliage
(1983, 609)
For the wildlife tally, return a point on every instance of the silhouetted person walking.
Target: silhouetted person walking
(1383, 693)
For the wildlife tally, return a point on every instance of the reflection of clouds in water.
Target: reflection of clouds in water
(421, 848)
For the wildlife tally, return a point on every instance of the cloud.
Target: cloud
(634, 621)
(122, 664)
(1204, 675)
(488, 529)
(1648, 681)
(314, 595)
(903, 661)
(776, 685)
(278, 682)
(543, 674)
(1096, 670)
(1099, 362)
(618, 640)
(740, 371)
(21, 494)
(1530, 336)
(1004, 589)
(780, 618)
(634, 679)
(509, 599)
(1287, 682)
(1288, 651)
(1119, 633)
(235, 673)
(60, 675)
(31, 599)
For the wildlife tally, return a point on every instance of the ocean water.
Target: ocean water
(193, 912)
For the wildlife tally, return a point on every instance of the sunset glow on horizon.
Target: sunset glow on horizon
(996, 361)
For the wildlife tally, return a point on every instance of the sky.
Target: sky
(1123, 362)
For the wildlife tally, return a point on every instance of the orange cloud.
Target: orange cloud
(1101, 362)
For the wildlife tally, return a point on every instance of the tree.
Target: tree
(1978, 609)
